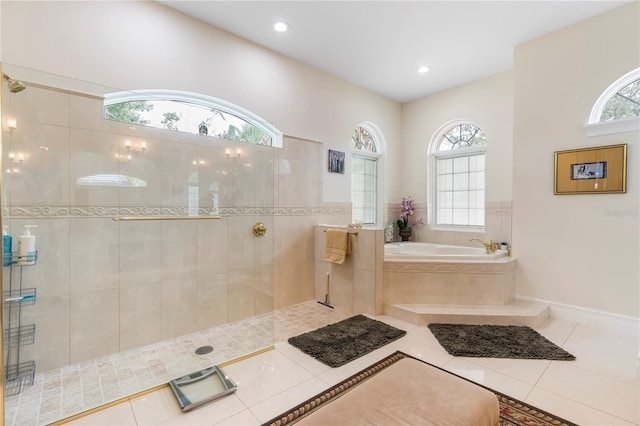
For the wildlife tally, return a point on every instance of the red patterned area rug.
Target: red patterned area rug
(518, 413)
(512, 411)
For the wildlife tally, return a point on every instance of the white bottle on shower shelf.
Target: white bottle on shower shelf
(27, 247)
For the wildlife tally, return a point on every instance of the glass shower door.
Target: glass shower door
(146, 249)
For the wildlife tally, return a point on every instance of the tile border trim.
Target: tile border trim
(63, 212)
(461, 267)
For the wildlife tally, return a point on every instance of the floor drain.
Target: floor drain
(204, 350)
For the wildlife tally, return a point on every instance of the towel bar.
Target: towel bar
(132, 218)
(350, 232)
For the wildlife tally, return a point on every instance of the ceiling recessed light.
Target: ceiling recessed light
(423, 69)
(281, 26)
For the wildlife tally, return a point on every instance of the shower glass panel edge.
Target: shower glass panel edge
(2, 422)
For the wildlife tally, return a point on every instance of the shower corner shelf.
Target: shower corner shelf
(15, 259)
(18, 374)
(19, 336)
(23, 296)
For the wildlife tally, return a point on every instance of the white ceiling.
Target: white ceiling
(379, 44)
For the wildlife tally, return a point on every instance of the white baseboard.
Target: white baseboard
(601, 319)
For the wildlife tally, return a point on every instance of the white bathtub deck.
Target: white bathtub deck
(517, 313)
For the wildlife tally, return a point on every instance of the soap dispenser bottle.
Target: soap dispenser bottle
(27, 247)
(7, 242)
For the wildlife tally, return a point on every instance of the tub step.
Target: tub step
(517, 313)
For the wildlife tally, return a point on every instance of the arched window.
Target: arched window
(458, 156)
(618, 108)
(366, 149)
(192, 113)
(625, 103)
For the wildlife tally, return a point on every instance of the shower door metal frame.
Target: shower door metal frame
(1, 280)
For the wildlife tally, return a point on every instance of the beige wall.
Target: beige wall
(142, 45)
(580, 250)
(487, 103)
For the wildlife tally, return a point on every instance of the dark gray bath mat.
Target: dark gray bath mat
(497, 341)
(344, 341)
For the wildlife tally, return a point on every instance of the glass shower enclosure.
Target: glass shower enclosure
(149, 248)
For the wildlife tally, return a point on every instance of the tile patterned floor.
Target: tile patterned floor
(600, 388)
(63, 392)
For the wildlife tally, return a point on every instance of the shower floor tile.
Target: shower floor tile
(61, 393)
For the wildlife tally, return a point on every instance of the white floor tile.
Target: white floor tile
(438, 357)
(594, 390)
(309, 363)
(601, 361)
(162, 408)
(394, 322)
(556, 330)
(572, 411)
(121, 414)
(526, 370)
(335, 375)
(424, 335)
(244, 418)
(489, 378)
(265, 375)
(281, 402)
(618, 343)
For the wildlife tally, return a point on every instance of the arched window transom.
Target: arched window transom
(617, 109)
(192, 113)
(363, 140)
(463, 135)
(625, 103)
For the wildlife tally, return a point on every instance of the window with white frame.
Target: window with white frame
(192, 113)
(618, 107)
(458, 154)
(364, 175)
(625, 103)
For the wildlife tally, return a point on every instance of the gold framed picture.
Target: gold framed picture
(598, 170)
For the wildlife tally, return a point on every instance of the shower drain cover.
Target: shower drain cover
(202, 350)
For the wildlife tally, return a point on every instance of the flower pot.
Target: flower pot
(405, 234)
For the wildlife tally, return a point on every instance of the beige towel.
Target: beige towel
(338, 245)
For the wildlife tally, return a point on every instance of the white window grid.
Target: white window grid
(364, 184)
(460, 188)
(457, 179)
(364, 175)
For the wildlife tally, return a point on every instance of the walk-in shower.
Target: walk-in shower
(136, 267)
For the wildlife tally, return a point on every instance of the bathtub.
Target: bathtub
(416, 252)
(423, 273)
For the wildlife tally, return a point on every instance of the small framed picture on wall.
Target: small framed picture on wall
(336, 161)
(597, 170)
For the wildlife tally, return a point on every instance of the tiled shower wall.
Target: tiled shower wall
(298, 184)
(104, 286)
(497, 226)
